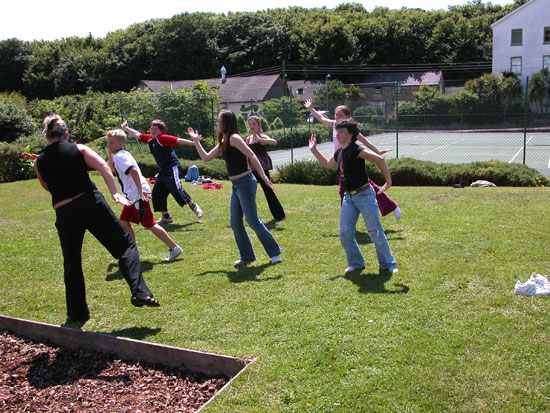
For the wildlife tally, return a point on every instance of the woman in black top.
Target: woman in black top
(237, 154)
(257, 142)
(62, 169)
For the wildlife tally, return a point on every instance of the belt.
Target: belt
(359, 190)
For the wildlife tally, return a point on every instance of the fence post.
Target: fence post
(397, 119)
(291, 134)
(525, 118)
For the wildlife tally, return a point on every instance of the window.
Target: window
(515, 65)
(300, 91)
(547, 35)
(377, 90)
(517, 37)
(546, 62)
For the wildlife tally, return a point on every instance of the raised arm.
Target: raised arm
(321, 118)
(129, 130)
(94, 161)
(327, 163)
(368, 144)
(382, 165)
(205, 156)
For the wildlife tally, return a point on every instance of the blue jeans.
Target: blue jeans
(243, 201)
(366, 204)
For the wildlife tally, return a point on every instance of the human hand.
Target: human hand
(383, 151)
(31, 156)
(308, 103)
(384, 187)
(313, 142)
(122, 200)
(194, 134)
(124, 124)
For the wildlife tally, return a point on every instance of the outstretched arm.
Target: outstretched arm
(205, 156)
(94, 161)
(382, 165)
(370, 145)
(321, 118)
(327, 163)
(129, 130)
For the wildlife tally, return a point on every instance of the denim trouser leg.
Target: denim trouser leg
(365, 203)
(348, 219)
(243, 202)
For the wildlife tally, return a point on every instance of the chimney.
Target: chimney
(223, 71)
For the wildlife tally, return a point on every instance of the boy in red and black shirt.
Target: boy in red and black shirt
(168, 180)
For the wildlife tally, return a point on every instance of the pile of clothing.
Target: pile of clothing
(537, 284)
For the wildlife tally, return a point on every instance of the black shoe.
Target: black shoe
(141, 301)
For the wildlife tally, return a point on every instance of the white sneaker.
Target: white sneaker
(165, 220)
(275, 259)
(541, 280)
(352, 269)
(174, 253)
(530, 288)
(397, 213)
(198, 211)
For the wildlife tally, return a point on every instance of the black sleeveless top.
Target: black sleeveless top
(235, 161)
(351, 168)
(62, 167)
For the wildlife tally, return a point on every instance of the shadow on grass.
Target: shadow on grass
(363, 237)
(113, 271)
(245, 273)
(272, 225)
(180, 227)
(372, 282)
(135, 333)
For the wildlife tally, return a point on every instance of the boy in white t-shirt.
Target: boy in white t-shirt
(134, 187)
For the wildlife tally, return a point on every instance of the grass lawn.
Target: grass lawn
(444, 334)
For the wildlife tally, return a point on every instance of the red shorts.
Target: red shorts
(140, 215)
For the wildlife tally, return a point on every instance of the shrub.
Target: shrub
(13, 167)
(412, 172)
(14, 119)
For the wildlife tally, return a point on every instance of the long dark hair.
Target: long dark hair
(230, 127)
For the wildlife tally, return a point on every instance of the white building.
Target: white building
(521, 40)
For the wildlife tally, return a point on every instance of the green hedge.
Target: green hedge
(412, 172)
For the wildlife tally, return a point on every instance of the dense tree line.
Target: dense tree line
(196, 45)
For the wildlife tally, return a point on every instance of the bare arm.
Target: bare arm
(370, 146)
(324, 120)
(205, 156)
(327, 163)
(137, 180)
(382, 165)
(185, 142)
(266, 140)
(238, 142)
(94, 161)
(129, 130)
(42, 182)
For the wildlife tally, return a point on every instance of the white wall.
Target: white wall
(532, 18)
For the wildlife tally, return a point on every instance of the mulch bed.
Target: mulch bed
(37, 377)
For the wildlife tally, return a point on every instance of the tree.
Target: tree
(539, 90)
(15, 122)
(287, 109)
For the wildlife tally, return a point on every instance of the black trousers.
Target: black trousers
(168, 182)
(91, 212)
(274, 205)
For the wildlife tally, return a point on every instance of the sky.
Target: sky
(56, 19)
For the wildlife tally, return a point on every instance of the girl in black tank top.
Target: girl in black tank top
(237, 154)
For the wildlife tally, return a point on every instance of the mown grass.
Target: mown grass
(444, 334)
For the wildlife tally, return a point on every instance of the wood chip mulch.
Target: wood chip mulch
(36, 377)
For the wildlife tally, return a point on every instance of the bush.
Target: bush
(14, 119)
(13, 167)
(412, 172)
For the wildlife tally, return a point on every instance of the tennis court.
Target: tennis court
(449, 147)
